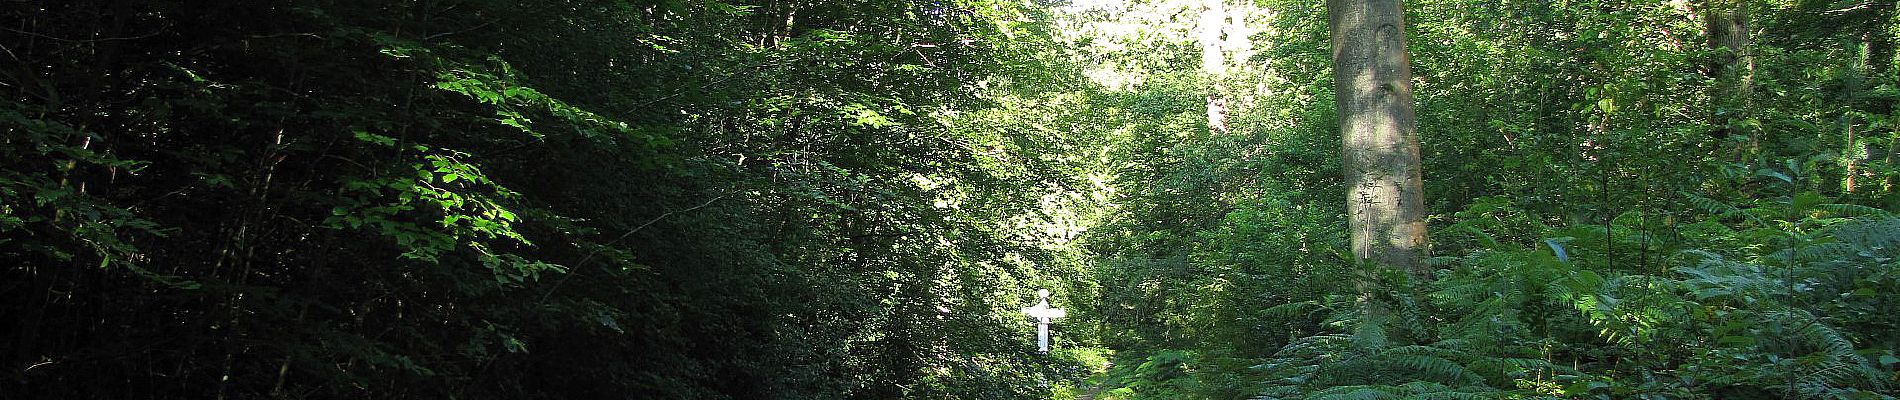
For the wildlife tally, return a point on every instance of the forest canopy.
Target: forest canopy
(856, 199)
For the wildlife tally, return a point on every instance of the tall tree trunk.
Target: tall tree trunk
(1733, 66)
(1373, 82)
(1852, 152)
(1879, 38)
(1213, 20)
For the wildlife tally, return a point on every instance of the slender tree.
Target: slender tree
(1733, 66)
(1213, 21)
(1373, 82)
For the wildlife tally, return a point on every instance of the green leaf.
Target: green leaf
(1737, 341)
(376, 139)
(1775, 174)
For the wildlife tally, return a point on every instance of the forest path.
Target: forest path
(1099, 386)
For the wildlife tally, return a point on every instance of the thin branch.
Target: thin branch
(286, 34)
(644, 226)
(702, 87)
(575, 270)
(55, 38)
(472, 28)
(678, 93)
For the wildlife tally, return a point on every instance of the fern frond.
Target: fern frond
(1455, 395)
(1820, 252)
(1873, 235)
(1294, 310)
(1370, 334)
(1357, 392)
(1817, 333)
(1720, 209)
(1853, 210)
(1423, 350)
(1485, 239)
(1435, 367)
(1314, 345)
(1451, 396)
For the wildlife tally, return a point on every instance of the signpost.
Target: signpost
(1043, 313)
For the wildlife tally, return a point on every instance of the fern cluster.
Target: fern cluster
(1777, 299)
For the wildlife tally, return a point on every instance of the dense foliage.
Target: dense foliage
(485, 199)
(854, 199)
(1612, 218)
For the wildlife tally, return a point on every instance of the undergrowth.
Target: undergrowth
(1774, 299)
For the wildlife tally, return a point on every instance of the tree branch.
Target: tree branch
(575, 270)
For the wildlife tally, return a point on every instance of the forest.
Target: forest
(859, 199)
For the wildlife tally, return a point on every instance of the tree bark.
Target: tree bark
(1373, 84)
(1879, 39)
(1733, 66)
(1213, 20)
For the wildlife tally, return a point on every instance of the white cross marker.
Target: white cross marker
(1042, 313)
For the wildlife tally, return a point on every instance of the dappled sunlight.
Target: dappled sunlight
(962, 199)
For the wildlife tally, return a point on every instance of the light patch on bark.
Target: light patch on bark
(1373, 85)
(1212, 28)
